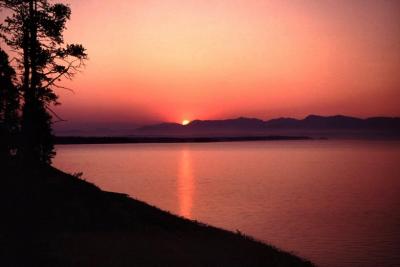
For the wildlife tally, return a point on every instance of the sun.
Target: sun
(185, 122)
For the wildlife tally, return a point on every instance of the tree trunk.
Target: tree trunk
(28, 131)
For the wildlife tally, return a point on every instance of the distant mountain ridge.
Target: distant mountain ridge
(311, 125)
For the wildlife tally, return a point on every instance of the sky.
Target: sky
(170, 60)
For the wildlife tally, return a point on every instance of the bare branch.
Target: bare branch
(59, 119)
(63, 87)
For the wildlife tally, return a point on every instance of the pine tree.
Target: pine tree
(35, 30)
(9, 104)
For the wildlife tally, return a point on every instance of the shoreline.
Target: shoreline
(57, 219)
(74, 140)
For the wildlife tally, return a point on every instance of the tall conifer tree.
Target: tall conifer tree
(35, 31)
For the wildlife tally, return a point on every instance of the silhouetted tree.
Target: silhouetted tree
(35, 31)
(9, 104)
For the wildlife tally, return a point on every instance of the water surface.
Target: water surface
(333, 202)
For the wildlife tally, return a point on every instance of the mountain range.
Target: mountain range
(312, 125)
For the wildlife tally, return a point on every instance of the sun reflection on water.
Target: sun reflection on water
(185, 185)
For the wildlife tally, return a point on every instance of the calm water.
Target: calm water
(334, 202)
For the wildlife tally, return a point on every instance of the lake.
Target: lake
(336, 203)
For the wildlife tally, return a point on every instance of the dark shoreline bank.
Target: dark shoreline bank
(56, 219)
(69, 140)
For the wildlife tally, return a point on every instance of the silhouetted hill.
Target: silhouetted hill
(332, 122)
(233, 124)
(283, 123)
(162, 127)
(50, 218)
(205, 127)
(313, 125)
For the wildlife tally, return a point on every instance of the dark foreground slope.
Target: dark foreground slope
(50, 218)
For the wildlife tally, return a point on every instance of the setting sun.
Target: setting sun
(185, 122)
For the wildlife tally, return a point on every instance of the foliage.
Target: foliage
(9, 104)
(34, 31)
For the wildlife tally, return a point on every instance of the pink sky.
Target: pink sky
(170, 60)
